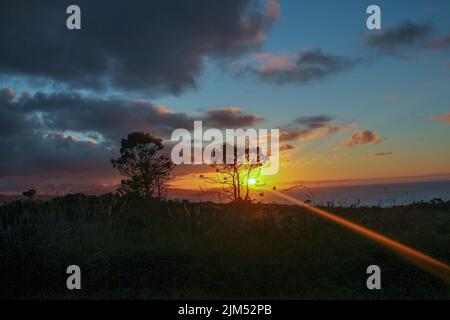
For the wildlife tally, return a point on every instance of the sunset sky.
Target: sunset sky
(350, 103)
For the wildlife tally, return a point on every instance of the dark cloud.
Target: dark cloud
(230, 118)
(291, 134)
(308, 66)
(68, 139)
(314, 121)
(11, 122)
(362, 137)
(400, 39)
(382, 154)
(109, 118)
(304, 128)
(53, 160)
(150, 46)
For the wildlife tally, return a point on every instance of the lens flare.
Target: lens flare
(423, 261)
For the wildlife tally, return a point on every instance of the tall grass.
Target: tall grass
(129, 248)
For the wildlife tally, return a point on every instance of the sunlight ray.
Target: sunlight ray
(420, 259)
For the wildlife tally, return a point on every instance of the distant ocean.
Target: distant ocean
(382, 194)
(385, 195)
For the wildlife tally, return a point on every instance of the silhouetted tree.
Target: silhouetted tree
(235, 176)
(29, 193)
(147, 170)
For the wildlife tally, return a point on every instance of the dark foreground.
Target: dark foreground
(176, 250)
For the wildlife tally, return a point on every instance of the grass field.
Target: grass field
(171, 250)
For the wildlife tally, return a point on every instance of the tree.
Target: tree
(238, 176)
(29, 193)
(146, 169)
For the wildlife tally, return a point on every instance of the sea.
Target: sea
(383, 195)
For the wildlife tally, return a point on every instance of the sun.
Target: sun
(251, 181)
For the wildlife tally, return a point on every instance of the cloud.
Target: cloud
(314, 121)
(52, 160)
(273, 8)
(230, 118)
(441, 43)
(362, 137)
(307, 66)
(304, 128)
(442, 118)
(67, 139)
(269, 63)
(287, 147)
(148, 46)
(405, 39)
(8, 93)
(163, 110)
(110, 118)
(380, 154)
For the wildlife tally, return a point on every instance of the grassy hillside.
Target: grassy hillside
(163, 250)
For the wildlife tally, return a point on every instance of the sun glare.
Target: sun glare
(251, 181)
(420, 259)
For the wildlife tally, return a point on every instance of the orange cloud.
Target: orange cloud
(362, 137)
(163, 110)
(271, 63)
(442, 118)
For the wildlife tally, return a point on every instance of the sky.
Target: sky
(351, 103)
